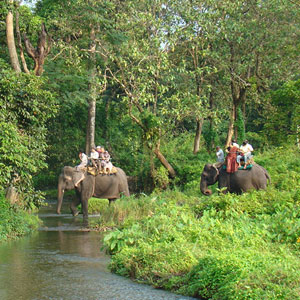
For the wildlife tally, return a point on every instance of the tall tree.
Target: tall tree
(254, 36)
(143, 71)
(10, 37)
(41, 51)
(79, 28)
(193, 45)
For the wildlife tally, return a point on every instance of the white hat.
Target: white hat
(99, 147)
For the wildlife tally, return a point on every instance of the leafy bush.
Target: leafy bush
(187, 165)
(15, 222)
(161, 178)
(97, 205)
(282, 117)
(25, 107)
(45, 180)
(219, 247)
(225, 254)
(248, 274)
(126, 210)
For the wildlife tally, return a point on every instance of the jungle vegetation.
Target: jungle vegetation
(160, 84)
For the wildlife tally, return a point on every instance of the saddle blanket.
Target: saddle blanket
(241, 168)
(94, 171)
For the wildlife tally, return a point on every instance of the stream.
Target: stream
(63, 261)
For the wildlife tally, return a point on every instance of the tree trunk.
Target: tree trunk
(90, 133)
(164, 162)
(231, 126)
(212, 140)
(105, 127)
(24, 64)
(199, 123)
(235, 120)
(239, 97)
(12, 195)
(238, 94)
(152, 166)
(298, 134)
(11, 41)
(211, 121)
(39, 53)
(91, 121)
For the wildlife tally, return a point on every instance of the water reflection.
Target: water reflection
(60, 262)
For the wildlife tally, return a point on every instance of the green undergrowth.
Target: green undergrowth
(51, 194)
(218, 247)
(97, 205)
(15, 222)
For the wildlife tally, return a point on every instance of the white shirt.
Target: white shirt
(247, 148)
(220, 155)
(94, 155)
(84, 161)
(84, 157)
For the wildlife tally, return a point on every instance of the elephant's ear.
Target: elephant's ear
(213, 171)
(207, 167)
(78, 176)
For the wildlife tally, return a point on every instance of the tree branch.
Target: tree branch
(20, 44)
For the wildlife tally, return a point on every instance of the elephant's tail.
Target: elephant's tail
(125, 190)
(268, 177)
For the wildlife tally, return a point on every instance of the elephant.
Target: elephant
(109, 187)
(238, 182)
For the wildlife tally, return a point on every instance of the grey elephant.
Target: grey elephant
(86, 186)
(238, 182)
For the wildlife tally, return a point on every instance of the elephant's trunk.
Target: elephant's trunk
(60, 195)
(203, 187)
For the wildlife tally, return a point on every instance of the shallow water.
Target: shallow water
(63, 261)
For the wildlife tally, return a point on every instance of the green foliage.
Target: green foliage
(97, 205)
(163, 66)
(161, 178)
(15, 222)
(25, 107)
(127, 210)
(187, 165)
(213, 278)
(45, 180)
(248, 274)
(218, 247)
(119, 239)
(29, 23)
(282, 117)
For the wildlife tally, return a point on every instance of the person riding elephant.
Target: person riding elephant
(83, 160)
(87, 186)
(230, 160)
(238, 182)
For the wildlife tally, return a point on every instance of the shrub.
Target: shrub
(126, 210)
(243, 274)
(25, 108)
(15, 222)
(97, 205)
(219, 247)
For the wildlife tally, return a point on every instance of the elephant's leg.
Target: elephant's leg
(75, 203)
(85, 207)
(111, 200)
(224, 182)
(86, 194)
